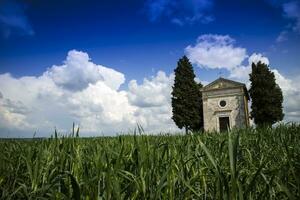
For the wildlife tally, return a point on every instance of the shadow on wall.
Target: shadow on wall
(240, 117)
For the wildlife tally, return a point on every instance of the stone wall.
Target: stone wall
(234, 109)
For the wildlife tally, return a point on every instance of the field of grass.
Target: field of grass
(245, 164)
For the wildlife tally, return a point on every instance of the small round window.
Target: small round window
(222, 103)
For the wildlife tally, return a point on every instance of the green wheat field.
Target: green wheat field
(241, 164)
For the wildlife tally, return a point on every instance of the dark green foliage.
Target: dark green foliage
(266, 96)
(243, 164)
(199, 125)
(186, 98)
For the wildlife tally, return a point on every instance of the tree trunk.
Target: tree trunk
(186, 130)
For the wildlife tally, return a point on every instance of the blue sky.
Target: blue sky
(125, 35)
(142, 38)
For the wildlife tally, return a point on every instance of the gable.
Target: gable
(222, 83)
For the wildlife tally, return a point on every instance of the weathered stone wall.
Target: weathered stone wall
(234, 109)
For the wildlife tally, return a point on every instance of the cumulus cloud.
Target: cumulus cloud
(153, 99)
(100, 108)
(219, 52)
(78, 72)
(180, 12)
(13, 113)
(291, 93)
(215, 52)
(13, 20)
(256, 57)
(57, 98)
(158, 86)
(15, 106)
(242, 72)
(38, 96)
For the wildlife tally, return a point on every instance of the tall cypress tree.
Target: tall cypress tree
(199, 125)
(266, 96)
(186, 98)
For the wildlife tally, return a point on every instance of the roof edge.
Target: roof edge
(239, 84)
(224, 79)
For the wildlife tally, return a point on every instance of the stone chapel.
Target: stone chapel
(225, 105)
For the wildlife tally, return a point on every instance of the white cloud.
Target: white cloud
(256, 57)
(158, 87)
(291, 92)
(285, 84)
(218, 52)
(153, 99)
(215, 52)
(43, 100)
(13, 113)
(99, 108)
(241, 72)
(55, 99)
(203, 82)
(78, 71)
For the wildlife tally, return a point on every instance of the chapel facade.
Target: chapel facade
(225, 105)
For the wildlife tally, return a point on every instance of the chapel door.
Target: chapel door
(224, 123)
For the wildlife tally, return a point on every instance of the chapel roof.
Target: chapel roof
(223, 83)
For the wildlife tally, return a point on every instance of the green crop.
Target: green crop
(241, 164)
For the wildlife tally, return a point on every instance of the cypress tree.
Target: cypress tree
(186, 98)
(266, 96)
(199, 124)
